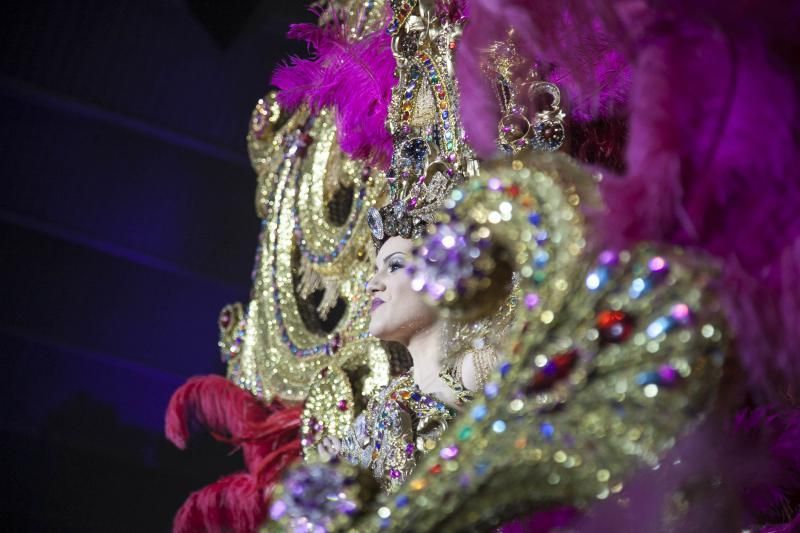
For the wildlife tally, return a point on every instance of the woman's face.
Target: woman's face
(398, 312)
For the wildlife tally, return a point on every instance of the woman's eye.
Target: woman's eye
(395, 266)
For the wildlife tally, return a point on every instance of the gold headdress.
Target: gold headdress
(610, 355)
(304, 326)
(430, 154)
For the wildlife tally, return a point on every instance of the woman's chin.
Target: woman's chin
(377, 330)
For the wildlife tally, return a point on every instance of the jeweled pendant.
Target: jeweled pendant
(375, 223)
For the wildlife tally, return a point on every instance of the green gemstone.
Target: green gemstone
(538, 277)
(465, 433)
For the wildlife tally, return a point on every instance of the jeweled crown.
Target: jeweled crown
(430, 154)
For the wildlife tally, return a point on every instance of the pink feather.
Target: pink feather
(355, 77)
(735, 476)
(712, 163)
(566, 38)
(710, 89)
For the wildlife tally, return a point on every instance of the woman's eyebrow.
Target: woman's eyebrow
(386, 259)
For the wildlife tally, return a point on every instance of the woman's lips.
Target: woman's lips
(375, 303)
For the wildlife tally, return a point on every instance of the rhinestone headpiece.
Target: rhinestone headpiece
(430, 154)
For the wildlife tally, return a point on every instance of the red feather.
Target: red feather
(267, 433)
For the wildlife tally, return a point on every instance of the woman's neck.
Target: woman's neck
(425, 348)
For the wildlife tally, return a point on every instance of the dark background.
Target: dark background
(126, 223)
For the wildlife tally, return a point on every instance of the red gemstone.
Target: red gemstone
(313, 426)
(336, 343)
(225, 318)
(614, 326)
(342, 405)
(435, 469)
(557, 368)
(513, 191)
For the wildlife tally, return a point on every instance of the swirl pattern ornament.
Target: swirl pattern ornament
(613, 356)
(308, 308)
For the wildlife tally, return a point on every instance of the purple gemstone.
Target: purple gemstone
(608, 258)
(435, 290)
(277, 510)
(531, 300)
(668, 375)
(394, 474)
(448, 453)
(494, 184)
(410, 449)
(658, 264)
(681, 313)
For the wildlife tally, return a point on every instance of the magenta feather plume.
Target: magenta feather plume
(354, 77)
(733, 475)
(710, 90)
(712, 163)
(569, 43)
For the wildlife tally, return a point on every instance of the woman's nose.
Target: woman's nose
(375, 284)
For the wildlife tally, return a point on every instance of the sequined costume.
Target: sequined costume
(399, 424)
(643, 334)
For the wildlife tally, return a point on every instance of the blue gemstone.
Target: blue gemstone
(541, 259)
(658, 326)
(445, 114)
(547, 430)
(639, 287)
(416, 396)
(597, 278)
(646, 378)
(534, 218)
(504, 368)
(550, 369)
(401, 501)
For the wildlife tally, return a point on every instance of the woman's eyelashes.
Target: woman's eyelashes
(396, 264)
